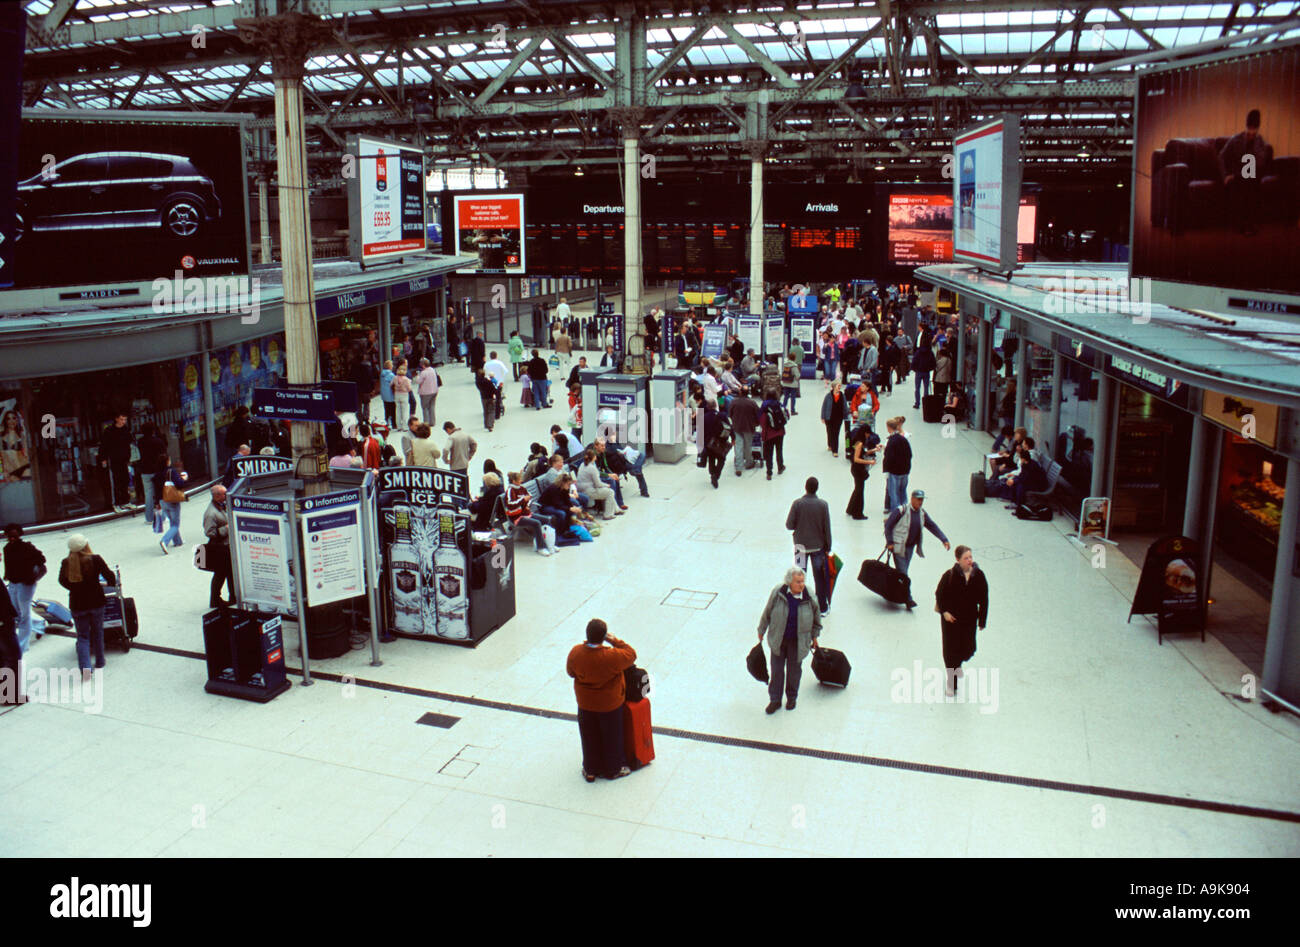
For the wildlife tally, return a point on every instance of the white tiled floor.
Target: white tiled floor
(1083, 698)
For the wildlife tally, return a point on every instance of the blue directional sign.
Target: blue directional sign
(293, 404)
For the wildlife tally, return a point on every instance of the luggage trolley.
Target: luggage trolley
(121, 623)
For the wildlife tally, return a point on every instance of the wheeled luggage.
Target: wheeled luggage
(54, 613)
(121, 623)
(932, 409)
(977, 487)
(638, 736)
(831, 667)
(886, 581)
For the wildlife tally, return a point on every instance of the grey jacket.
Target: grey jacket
(775, 614)
(215, 524)
(810, 518)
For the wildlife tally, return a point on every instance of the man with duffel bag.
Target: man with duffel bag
(791, 622)
(903, 533)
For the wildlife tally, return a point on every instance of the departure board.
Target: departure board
(774, 236)
(671, 247)
(613, 250)
(698, 241)
(540, 259)
(825, 238)
(728, 249)
(564, 248)
(590, 239)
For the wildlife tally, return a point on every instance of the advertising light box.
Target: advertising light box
(118, 198)
(986, 193)
(920, 228)
(1216, 184)
(491, 227)
(385, 200)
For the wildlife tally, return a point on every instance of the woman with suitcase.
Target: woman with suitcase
(80, 574)
(791, 622)
(962, 601)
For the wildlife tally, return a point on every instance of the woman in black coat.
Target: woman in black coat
(80, 574)
(962, 601)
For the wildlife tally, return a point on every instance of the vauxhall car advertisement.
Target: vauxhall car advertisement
(103, 200)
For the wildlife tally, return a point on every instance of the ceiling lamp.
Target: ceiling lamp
(577, 172)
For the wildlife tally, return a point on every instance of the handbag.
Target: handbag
(205, 556)
(756, 663)
(172, 493)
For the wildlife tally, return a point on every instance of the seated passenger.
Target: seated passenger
(518, 507)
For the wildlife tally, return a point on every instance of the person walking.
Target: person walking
(743, 412)
(460, 448)
(943, 367)
(564, 349)
(962, 601)
(80, 573)
(516, 349)
(834, 409)
(427, 384)
(789, 385)
(216, 528)
(477, 351)
(810, 519)
(11, 655)
(115, 457)
(487, 396)
(887, 364)
(402, 389)
(772, 423)
(862, 447)
(386, 393)
(174, 479)
(897, 464)
(150, 446)
(791, 623)
(537, 379)
(830, 357)
(24, 567)
(717, 439)
(903, 534)
(597, 668)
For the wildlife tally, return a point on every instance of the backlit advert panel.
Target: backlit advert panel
(1217, 183)
(491, 228)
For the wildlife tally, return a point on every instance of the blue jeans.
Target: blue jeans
(173, 534)
(922, 381)
(90, 633)
(788, 398)
(539, 392)
(21, 596)
(901, 563)
(634, 471)
(829, 366)
(148, 499)
(895, 491)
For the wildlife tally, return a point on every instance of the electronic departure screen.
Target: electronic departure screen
(774, 236)
(590, 248)
(728, 248)
(613, 243)
(696, 240)
(825, 238)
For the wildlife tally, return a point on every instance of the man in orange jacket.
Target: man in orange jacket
(597, 670)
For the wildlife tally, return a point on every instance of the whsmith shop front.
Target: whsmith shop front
(64, 376)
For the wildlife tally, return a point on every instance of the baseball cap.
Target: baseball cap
(918, 494)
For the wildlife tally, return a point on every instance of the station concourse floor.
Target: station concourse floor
(1100, 742)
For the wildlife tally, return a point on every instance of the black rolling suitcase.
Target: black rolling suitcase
(831, 667)
(932, 409)
(977, 487)
(121, 623)
(886, 581)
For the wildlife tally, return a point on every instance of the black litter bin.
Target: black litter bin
(245, 654)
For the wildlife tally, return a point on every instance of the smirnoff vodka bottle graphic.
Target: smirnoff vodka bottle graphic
(450, 571)
(405, 569)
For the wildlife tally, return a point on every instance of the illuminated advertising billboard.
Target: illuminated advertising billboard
(491, 227)
(920, 228)
(1027, 229)
(986, 164)
(1216, 186)
(386, 197)
(103, 199)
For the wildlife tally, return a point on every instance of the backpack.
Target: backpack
(787, 374)
(774, 415)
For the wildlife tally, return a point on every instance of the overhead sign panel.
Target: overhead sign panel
(986, 193)
(491, 227)
(385, 200)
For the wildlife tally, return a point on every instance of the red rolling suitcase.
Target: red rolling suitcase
(886, 581)
(638, 737)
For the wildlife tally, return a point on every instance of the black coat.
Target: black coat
(477, 352)
(968, 602)
(898, 455)
(22, 561)
(115, 444)
(86, 594)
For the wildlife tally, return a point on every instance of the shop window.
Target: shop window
(1251, 495)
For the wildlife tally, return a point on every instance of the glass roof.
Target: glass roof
(825, 36)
